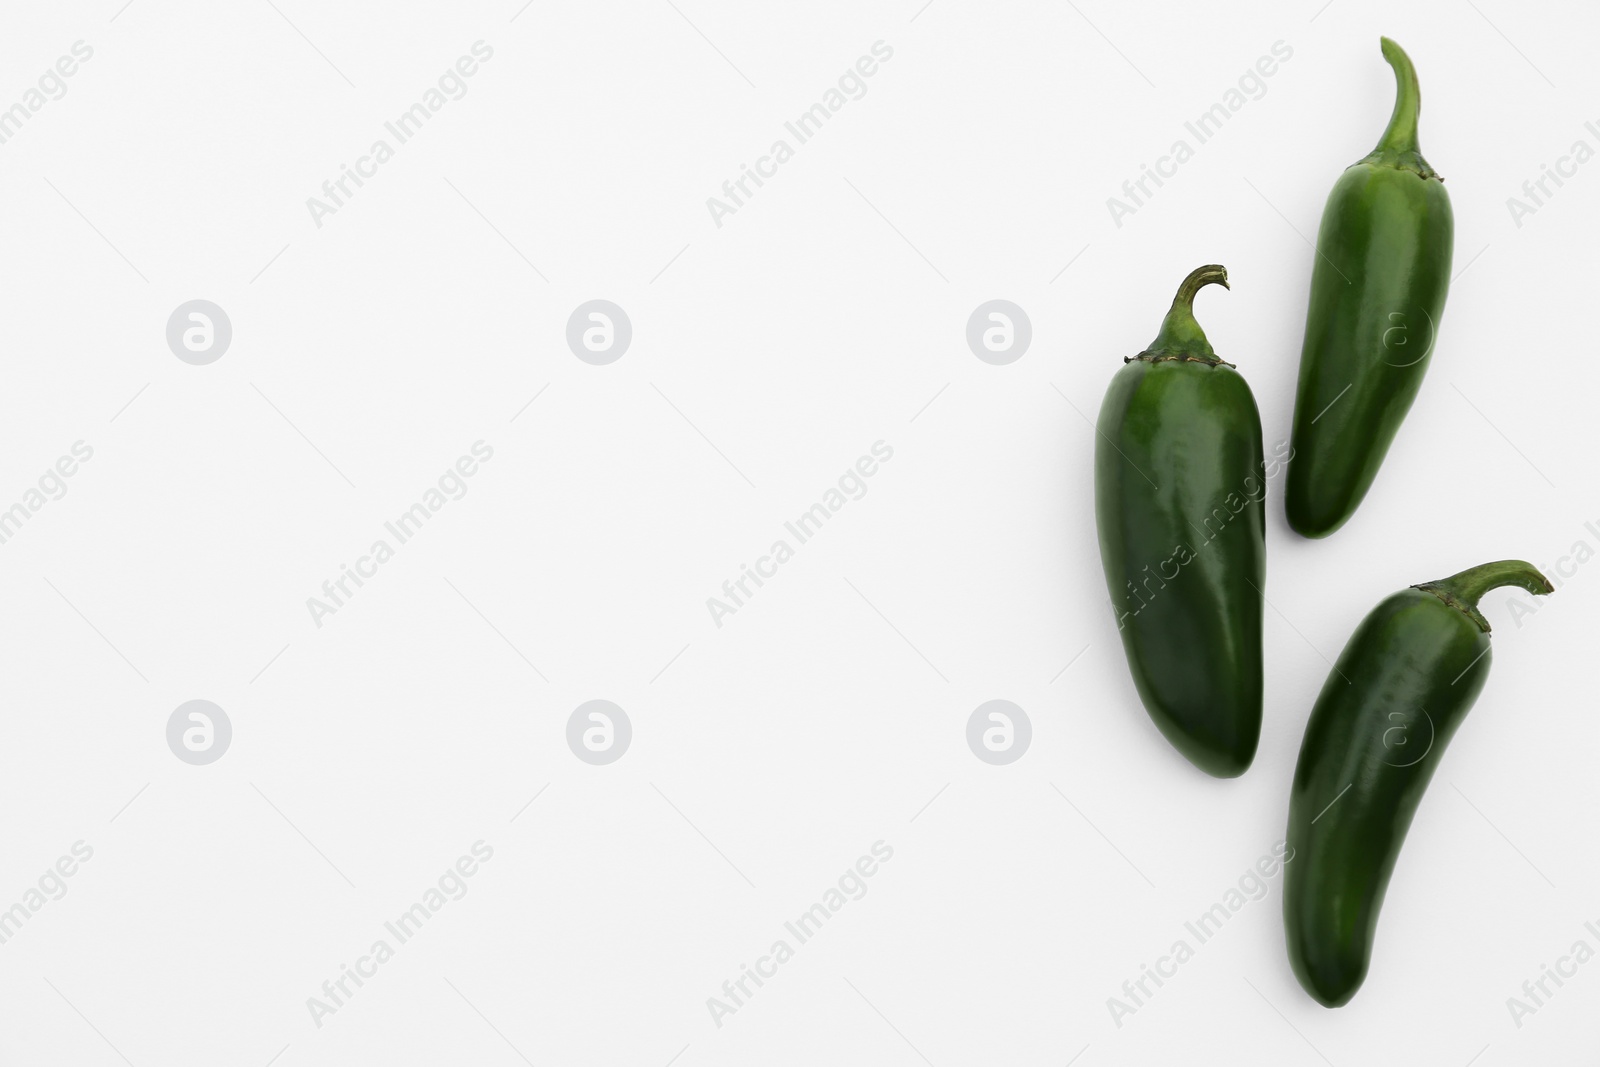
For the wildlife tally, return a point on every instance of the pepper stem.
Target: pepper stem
(1464, 590)
(1398, 146)
(1401, 136)
(1181, 335)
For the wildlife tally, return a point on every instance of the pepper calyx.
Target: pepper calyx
(1181, 337)
(1398, 146)
(1463, 591)
(1153, 357)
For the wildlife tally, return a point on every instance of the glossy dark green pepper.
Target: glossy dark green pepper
(1378, 288)
(1179, 491)
(1403, 683)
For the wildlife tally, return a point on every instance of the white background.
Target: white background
(768, 354)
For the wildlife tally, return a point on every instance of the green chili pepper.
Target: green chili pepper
(1404, 682)
(1179, 502)
(1377, 296)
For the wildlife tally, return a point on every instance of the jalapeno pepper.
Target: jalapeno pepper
(1401, 687)
(1377, 297)
(1179, 502)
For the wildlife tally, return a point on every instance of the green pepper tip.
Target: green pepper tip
(1198, 279)
(1398, 146)
(1463, 591)
(1181, 336)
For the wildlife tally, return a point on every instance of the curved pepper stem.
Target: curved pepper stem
(1398, 146)
(1181, 336)
(1463, 591)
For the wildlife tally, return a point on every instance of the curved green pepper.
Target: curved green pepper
(1403, 683)
(1377, 296)
(1179, 501)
